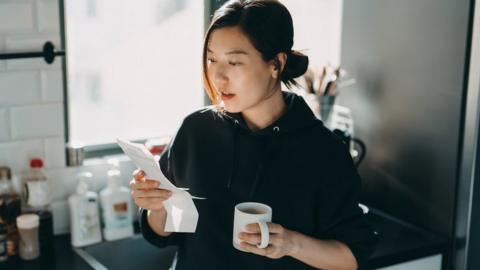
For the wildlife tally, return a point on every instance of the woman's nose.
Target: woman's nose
(220, 77)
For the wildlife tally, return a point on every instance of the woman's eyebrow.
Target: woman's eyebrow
(237, 52)
(230, 52)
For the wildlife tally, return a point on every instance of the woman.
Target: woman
(258, 143)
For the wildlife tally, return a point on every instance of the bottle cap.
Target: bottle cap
(36, 163)
(27, 221)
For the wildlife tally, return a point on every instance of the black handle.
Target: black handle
(48, 54)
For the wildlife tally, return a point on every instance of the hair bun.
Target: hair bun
(296, 66)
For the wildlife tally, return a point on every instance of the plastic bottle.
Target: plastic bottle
(84, 216)
(116, 207)
(36, 192)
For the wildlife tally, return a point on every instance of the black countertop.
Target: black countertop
(399, 242)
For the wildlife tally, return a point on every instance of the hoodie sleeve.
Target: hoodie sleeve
(173, 239)
(340, 217)
(167, 165)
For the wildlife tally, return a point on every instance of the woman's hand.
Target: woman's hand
(282, 241)
(145, 192)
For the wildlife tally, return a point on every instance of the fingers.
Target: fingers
(272, 228)
(259, 251)
(140, 182)
(150, 203)
(151, 193)
(253, 234)
(146, 184)
(138, 175)
(273, 251)
(256, 238)
(145, 192)
(250, 238)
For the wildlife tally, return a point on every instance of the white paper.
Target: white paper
(182, 215)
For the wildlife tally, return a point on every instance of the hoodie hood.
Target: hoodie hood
(297, 116)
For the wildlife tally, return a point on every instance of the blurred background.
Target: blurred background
(399, 80)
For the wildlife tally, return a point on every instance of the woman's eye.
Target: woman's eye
(234, 63)
(210, 60)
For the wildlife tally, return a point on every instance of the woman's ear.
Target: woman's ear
(277, 64)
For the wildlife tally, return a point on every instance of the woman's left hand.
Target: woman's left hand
(282, 241)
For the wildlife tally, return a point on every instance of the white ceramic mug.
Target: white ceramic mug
(251, 212)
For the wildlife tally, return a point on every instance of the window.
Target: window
(317, 29)
(133, 67)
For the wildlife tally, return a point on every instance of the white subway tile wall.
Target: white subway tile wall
(17, 16)
(4, 125)
(55, 152)
(37, 121)
(48, 15)
(31, 94)
(19, 88)
(52, 85)
(32, 64)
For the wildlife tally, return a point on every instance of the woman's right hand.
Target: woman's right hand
(145, 192)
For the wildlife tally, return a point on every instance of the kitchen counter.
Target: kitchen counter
(399, 242)
(62, 257)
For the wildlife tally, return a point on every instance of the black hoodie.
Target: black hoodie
(296, 166)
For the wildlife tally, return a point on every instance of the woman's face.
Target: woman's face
(237, 70)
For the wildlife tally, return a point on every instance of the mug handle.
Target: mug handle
(265, 234)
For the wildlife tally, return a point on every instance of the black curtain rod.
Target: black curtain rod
(48, 54)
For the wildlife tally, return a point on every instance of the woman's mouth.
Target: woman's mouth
(227, 96)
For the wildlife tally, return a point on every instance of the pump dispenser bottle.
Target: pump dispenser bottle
(116, 206)
(84, 215)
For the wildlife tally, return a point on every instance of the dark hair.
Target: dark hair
(269, 27)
